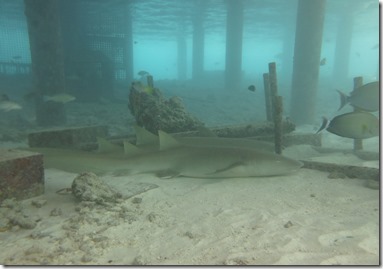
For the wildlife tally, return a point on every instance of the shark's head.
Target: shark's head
(275, 166)
(258, 163)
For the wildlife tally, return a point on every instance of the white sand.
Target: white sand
(303, 218)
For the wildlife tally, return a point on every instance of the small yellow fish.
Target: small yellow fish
(142, 88)
(148, 89)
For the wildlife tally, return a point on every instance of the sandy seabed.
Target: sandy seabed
(305, 218)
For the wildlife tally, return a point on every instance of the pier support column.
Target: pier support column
(47, 59)
(128, 48)
(234, 29)
(181, 56)
(307, 53)
(198, 41)
(342, 49)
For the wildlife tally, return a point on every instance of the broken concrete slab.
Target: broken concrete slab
(21, 174)
(75, 137)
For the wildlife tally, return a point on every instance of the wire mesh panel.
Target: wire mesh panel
(14, 46)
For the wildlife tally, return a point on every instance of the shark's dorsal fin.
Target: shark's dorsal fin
(130, 149)
(106, 146)
(144, 137)
(167, 141)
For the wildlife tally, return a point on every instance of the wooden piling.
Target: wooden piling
(358, 143)
(277, 107)
(266, 87)
(48, 78)
(278, 110)
(307, 53)
(273, 85)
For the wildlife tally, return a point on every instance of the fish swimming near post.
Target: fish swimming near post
(7, 105)
(62, 98)
(323, 61)
(251, 88)
(365, 97)
(356, 125)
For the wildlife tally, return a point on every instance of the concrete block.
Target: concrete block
(66, 137)
(21, 174)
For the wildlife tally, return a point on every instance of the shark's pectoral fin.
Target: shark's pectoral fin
(167, 174)
(229, 167)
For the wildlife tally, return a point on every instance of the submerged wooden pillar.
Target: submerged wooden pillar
(342, 48)
(273, 84)
(307, 53)
(47, 59)
(266, 87)
(234, 29)
(198, 41)
(181, 56)
(277, 107)
(278, 129)
(128, 48)
(358, 143)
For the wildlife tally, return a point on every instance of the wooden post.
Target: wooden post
(273, 85)
(358, 143)
(266, 87)
(277, 107)
(278, 124)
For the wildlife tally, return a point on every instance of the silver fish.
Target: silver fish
(365, 97)
(357, 125)
(9, 105)
(60, 98)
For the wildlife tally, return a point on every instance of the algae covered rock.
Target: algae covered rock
(154, 112)
(89, 187)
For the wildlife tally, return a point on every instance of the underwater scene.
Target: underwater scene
(189, 132)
